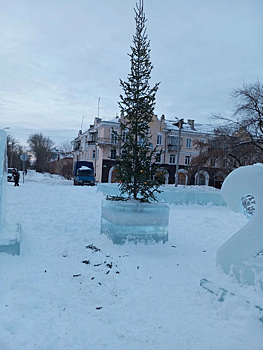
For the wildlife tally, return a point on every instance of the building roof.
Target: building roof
(198, 128)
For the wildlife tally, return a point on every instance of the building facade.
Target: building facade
(100, 145)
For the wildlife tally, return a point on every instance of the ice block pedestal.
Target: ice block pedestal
(133, 221)
(10, 234)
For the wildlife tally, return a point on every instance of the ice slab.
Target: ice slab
(10, 235)
(242, 253)
(3, 177)
(133, 221)
(191, 195)
(10, 239)
(111, 189)
(222, 294)
(176, 195)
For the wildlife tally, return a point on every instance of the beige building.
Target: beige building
(99, 144)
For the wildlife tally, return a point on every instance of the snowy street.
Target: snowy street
(62, 293)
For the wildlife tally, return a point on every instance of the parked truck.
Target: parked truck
(83, 173)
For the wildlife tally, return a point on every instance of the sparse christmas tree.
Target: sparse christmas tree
(136, 165)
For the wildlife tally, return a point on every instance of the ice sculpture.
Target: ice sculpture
(242, 254)
(133, 221)
(175, 195)
(9, 235)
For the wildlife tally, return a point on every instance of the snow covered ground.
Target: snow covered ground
(62, 294)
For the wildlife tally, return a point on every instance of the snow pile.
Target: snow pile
(51, 179)
(84, 168)
(71, 288)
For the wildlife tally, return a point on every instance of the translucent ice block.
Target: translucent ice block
(190, 195)
(3, 177)
(9, 234)
(134, 221)
(176, 195)
(108, 189)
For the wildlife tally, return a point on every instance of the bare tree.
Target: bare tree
(247, 120)
(249, 106)
(41, 147)
(239, 140)
(14, 150)
(228, 149)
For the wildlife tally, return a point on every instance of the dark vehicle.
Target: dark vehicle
(10, 177)
(83, 173)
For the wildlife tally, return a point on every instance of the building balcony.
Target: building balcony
(172, 147)
(107, 141)
(77, 149)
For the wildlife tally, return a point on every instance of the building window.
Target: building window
(172, 159)
(113, 136)
(158, 157)
(113, 153)
(187, 160)
(159, 141)
(123, 152)
(172, 140)
(141, 141)
(188, 143)
(150, 146)
(125, 136)
(93, 154)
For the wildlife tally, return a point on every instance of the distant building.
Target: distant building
(100, 145)
(61, 163)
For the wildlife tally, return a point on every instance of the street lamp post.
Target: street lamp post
(179, 124)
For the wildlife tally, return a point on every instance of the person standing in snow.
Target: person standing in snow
(13, 173)
(16, 177)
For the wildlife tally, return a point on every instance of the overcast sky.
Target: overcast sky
(58, 57)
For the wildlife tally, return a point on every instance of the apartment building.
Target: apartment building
(100, 145)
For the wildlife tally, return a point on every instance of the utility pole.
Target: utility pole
(179, 124)
(98, 107)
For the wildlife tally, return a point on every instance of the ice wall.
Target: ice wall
(242, 253)
(3, 177)
(10, 234)
(176, 195)
(190, 195)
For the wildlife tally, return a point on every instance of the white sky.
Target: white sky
(58, 57)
